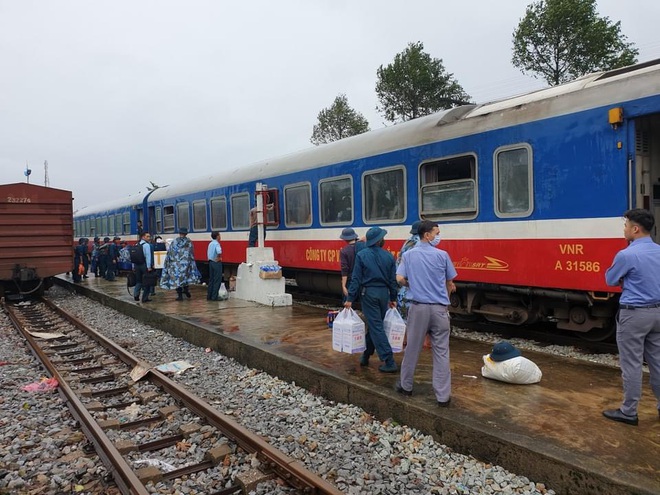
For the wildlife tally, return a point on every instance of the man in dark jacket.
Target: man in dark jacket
(374, 279)
(347, 257)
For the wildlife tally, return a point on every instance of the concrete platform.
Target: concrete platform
(552, 432)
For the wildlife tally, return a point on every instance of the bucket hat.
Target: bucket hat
(415, 227)
(183, 230)
(106, 239)
(374, 235)
(348, 234)
(503, 351)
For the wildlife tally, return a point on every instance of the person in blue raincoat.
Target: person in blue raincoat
(180, 269)
(402, 302)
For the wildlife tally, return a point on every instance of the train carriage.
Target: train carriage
(36, 225)
(529, 192)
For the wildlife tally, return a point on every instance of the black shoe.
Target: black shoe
(146, 300)
(402, 390)
(364, 359)
(188, 295)
(617, 415)
(444, 403)
(388, 368)
(179, 297)
(137, 298)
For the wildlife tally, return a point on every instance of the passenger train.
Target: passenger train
(529, 193)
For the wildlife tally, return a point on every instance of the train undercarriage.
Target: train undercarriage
(591, 315)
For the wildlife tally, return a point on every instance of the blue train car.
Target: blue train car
(528, 191)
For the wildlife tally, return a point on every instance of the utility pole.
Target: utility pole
(27, 172)
(46, 179)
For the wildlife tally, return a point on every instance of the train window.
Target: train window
(127, 223)
(104, 225)
(159, 220)
(219, 214)
(384, 195)
(119, 225)
(199, 215)
(89, 227)
(513, 181)
(97, 226)
(183, 215)
(168, 219)
(298, 205)
(240, 211)
(336, 200)
(449, 187)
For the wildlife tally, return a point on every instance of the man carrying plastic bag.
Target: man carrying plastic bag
(428, 272)
(374, 279)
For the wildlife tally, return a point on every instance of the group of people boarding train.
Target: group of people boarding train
(420, 281)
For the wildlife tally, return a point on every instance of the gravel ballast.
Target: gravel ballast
(340, 442)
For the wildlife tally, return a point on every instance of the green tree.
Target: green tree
(559, 40)
(415, 85)
(338, 121)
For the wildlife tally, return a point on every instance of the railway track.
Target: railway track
(150, 432)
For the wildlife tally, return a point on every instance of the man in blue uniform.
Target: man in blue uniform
(214, 255)
(637, 270)
(374, 279)
(428, 273)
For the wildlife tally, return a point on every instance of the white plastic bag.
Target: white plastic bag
(518, 370)
(395, 329)
(223, 295)
(348, 332)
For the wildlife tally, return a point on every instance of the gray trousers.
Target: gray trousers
(638, 338)
(434, 320)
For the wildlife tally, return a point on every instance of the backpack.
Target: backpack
(137, 254)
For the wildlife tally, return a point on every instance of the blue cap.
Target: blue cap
(503, 351)
(374, 235)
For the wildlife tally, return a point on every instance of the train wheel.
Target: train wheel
(599, 334)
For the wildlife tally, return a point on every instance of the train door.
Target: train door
(647, 167)
(152, 220)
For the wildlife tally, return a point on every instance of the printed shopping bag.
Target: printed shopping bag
(395, 329)
(348, 332)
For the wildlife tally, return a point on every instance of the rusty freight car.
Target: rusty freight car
(36, 227)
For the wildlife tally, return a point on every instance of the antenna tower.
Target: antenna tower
(46, 179)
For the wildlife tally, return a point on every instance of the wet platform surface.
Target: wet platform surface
(552, 432)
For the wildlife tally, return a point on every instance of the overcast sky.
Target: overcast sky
(114, 94)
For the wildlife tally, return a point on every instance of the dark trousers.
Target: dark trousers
(140, 270)
(254, 236)
(74, 273)
(375, 302)
(103, 264)
(110, 271)
(215, 279)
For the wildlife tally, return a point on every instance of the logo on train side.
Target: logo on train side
(491, 265)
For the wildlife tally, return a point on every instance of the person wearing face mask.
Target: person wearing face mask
(428, 273)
